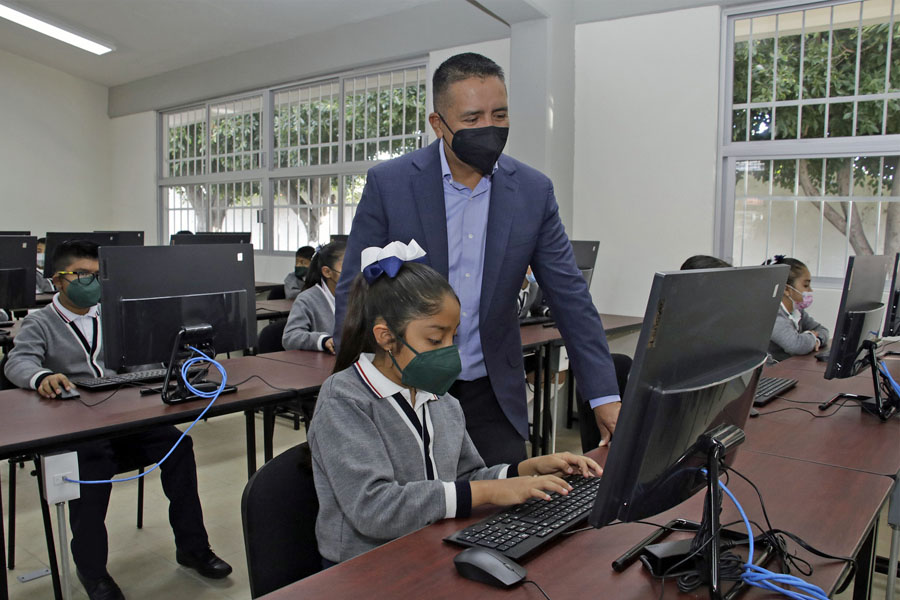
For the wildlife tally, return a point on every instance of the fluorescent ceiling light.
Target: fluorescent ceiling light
(53, 31)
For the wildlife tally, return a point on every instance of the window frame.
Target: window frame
(729, 152)
(267, 173)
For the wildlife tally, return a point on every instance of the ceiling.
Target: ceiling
(155, 36)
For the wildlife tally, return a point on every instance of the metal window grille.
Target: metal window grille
(810, 133)
(321, 136)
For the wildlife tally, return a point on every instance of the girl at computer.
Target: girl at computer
(311, 321)
(389, 445)
(795, 331)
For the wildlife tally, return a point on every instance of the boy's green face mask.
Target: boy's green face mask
(432, 371)
(84, 295)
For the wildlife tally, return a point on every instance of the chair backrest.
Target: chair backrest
(278, 510)
(269, 339)
(5, 384)
(276, 293)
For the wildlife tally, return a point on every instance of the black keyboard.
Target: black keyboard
(520, 530)
(770, 387)
(134, 378)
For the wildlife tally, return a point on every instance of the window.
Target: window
(321, 136)
(810, 137)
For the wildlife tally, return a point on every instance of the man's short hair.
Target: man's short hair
(459, 67)
(305, 252)
(71, 250)
(42, 240)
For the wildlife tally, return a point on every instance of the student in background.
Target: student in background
(702, 261)
(385, 414)
(311, 322)
(295, 280)
(43, 285)
(795, 331)
(63, 340)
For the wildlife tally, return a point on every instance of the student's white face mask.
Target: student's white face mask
(40, 260)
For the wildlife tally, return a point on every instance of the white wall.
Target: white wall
(133, 197)
(646, 93)
(54, 149)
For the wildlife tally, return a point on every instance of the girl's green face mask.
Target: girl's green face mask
(432, 371)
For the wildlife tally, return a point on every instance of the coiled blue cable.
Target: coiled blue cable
(213, 395)
(884, 371)
(769, 580)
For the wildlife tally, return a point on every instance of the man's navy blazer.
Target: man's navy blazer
(404, 200)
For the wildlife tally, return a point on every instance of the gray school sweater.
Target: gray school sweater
(293, 285)
(48, 344)
(311, 321)
(787, 340)
(370, 471)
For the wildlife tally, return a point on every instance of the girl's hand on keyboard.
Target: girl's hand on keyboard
(561, 464)
(516, 490)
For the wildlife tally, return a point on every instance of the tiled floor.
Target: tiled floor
(143, 561)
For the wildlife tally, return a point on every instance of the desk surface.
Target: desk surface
(30, 422)
(579, 566)
(273, 309)
(536, 335)
(265, 286)
(849, 438)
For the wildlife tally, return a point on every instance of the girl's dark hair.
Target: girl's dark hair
(327, 256)
(417, 291)
(702, 261)
(796, 266)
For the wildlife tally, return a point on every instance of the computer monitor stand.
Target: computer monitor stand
(703, 551)
(174, 389)
(885, 401)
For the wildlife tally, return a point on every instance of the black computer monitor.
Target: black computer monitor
(127, 238)
(18, 255)
(178, 239)
(585, 257)
(690, 390)
(339, 237)
(15, 233)
(55, 238)
(892, 319)
(856, 333)
(157, 300)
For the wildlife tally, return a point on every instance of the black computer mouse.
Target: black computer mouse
(489, 566)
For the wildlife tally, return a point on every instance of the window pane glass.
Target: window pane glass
(185, 151)
(234, 208)
(306, 211)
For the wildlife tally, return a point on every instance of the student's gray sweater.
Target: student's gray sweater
(311, 321)
(787, 340)
(369, 466)
(293, 285)
(48, 344)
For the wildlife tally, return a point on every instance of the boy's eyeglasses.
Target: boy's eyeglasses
(83, 277)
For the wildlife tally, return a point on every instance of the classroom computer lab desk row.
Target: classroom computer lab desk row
(824, 479)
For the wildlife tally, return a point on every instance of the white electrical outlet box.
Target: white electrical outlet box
(57, 467)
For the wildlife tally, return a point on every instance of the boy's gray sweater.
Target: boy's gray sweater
(370, 472)
(311, 321)
(46, 343)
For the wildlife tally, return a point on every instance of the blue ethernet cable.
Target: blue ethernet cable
(768, 580)
(213, 395)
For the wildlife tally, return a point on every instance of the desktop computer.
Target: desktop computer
(160, 301)
(178, 239)
(18, 257)
(695, 372)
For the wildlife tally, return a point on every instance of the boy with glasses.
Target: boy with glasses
(63, 340)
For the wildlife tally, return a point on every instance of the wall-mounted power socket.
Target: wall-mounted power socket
(56, 468)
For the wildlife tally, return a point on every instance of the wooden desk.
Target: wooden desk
(273, 309)
(321, 361)
(850, 438)
(265, 286)
(421, 565)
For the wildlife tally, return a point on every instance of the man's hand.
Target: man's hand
(329, 345)
(607, 415)
(54, 384)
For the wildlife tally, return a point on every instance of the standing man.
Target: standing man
(483, 217)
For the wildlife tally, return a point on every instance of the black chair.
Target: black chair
(278, 511)
(269, 339)
(276, 293)
(590, 434)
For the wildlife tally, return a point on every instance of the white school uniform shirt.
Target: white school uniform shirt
(84, 323)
